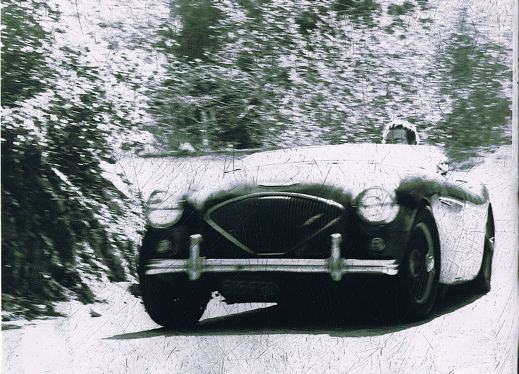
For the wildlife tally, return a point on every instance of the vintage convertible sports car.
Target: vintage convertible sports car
(288, 224)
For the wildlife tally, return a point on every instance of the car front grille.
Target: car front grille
(273, 223)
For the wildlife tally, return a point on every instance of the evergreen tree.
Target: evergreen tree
(474, 83)
(56, 204)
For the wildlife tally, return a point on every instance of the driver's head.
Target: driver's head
(401, 132)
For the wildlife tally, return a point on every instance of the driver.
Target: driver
(401, 132)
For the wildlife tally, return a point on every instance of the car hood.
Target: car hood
(350, 168)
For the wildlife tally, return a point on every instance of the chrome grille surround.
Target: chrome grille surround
(258, 222)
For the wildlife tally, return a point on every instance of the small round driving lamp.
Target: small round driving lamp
(376, 205)
(163, 210)
(377, 244)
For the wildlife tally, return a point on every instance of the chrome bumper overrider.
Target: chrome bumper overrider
(336, 266)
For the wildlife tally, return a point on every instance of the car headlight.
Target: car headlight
(163, 209)
(377, 205)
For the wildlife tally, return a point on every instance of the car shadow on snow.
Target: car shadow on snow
(359, 320)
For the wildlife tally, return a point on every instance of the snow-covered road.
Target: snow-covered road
(465, 335)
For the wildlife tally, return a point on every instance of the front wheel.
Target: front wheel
(173, 304)
(172, 301)
(418, 279)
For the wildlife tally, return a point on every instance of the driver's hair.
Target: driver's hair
(410, 131)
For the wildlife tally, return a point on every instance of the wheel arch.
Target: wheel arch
(490, 220)
(425, 206)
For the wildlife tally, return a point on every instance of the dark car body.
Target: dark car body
(282, 221)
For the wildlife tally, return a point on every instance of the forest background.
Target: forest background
(85, 82)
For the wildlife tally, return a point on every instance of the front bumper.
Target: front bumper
(336, 266)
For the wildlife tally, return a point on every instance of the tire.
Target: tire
(419, 275)
(171, 301)
(178, 304)
(481, 284)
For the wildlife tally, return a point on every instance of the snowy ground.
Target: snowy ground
(465, 335)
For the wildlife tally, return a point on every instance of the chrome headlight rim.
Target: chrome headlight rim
(377, 205)
(163, 209)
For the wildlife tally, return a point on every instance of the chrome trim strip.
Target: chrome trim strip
(225, 234)
(334, 265)
(282, 194)
(450, 201)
